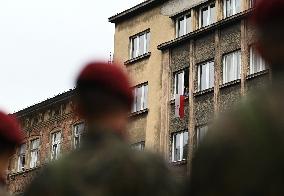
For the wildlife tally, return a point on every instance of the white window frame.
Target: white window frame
(77, 133)
(207, 64)
(234, 9)
(143, 99)
(236, 55)
(34, 152)
(208, 19)
(146, 40)
(260, 65)
(22, 157)
(140, 146)
(180, 158)
(185, 29)
(57, 143)
(199, 136)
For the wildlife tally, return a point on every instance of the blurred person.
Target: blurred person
(105, 165)
(242, 154)
(10, 138)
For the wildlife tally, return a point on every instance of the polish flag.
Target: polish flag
(179, 106)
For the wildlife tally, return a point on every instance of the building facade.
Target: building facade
(200, 49)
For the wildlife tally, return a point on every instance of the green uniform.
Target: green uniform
(105, 166)
(243, 153)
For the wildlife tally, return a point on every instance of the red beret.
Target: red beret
(9, 129)
(108, 76)
(267, 12)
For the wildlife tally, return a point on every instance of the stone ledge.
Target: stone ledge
(141, 112)
(228, 84)
(206, 91)
(139, 58)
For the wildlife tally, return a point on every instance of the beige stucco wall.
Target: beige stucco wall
(162, 29)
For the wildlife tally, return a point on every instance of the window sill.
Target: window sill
(230, 83)
(202, 92)
(141, 112)
(11, 175)
(141, 57)
(178, 163)
(172, 101)
(254, 75)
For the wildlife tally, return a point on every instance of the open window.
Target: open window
(181, 82)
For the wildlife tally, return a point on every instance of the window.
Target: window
(140, 44)
(207, 15)
(181, 82)
(206, 76)
(232, 67)
(22, 158)
(183, 25)
(231, 7)
(200, 133)
(257, 63)
(55, 146)
(140, 98)
(179, 146)
(139, 146)
(34, 153)
(78, 131)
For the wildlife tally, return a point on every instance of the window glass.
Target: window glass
(34, 153)
(22, 158)
(188, 24)
(213, 17)
(181, 29)
(56, 140)
(257, 63)
(232, 67)
(140, 98)
(205, 76)
(204, 17)
(142, 42)
(179, 146)
(201, 132)
(139, 146)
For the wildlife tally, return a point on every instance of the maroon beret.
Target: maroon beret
(268, 12)
(9, 129)
(108, 76)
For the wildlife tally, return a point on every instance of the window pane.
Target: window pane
(188, 24)
(204, 17)
(185, 145)
(145, 97)
(135, 47)
(212, 13)
(147, 41)
(181, 27)
(177, 147)
(139, 96)
(142, 40)
(135, 100)
(237, 6)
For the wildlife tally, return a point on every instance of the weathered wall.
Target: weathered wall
(145, 70)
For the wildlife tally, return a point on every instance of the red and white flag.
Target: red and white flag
(179, 106)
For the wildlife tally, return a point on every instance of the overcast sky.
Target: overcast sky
(44, 43)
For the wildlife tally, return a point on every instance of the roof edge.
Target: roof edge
(134, 10)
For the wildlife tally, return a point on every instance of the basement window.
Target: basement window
(183, 25)
(205, 76)
(22, 158)
(140, 146)
(139, 44)
(231, 7)
(34, 153)
(140, 98)
(232, 66)
(179, 146)
(181, 82)
(201, 132)
(78, 132)
(207, 15)
(257, 63)
(56, 145)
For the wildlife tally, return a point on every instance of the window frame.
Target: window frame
(198, 137)
(35, 164)
(181, 154)
(58, 143)
(234, 9)
(224, 67)
(146, 48)
(77, 135)
(252, 65)
(186, 30)
(199, 83)
(21, 166)
(139, 146)
(176, 84)
(209, 20)
(143, 99)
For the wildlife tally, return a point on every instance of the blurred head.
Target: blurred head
(104, 96)
(10, 138)
(268, 19)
